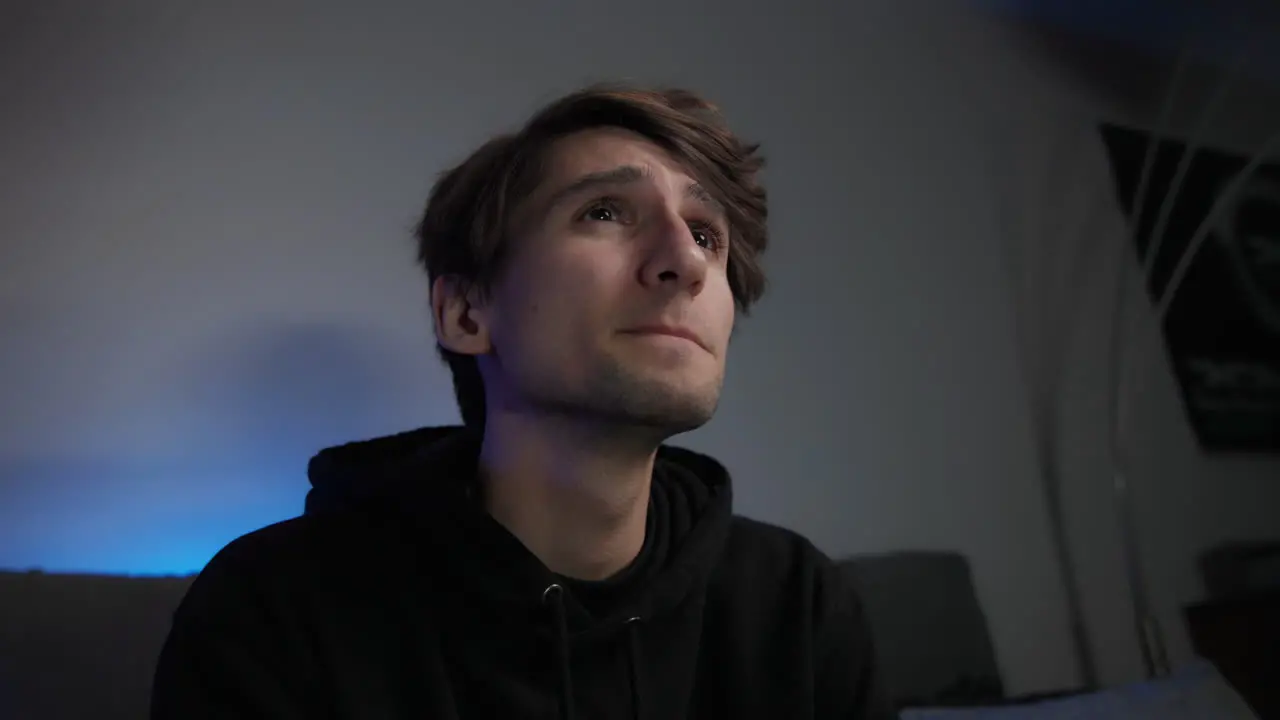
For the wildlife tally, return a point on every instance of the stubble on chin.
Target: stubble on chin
(614, 394)
(631, 396)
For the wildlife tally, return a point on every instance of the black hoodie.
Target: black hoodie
(396, 596)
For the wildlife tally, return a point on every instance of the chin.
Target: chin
(669, 401)
(673, 408)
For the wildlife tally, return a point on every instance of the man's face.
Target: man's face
(616, 256)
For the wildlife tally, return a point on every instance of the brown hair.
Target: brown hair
(463, 231)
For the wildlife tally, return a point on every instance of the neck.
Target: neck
(573, 495)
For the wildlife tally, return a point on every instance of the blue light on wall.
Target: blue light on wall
(252, 407)
(137, 518)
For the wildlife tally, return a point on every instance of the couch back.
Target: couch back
(79, 646)
(933, 646)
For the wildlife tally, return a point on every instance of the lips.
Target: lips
(669, 330)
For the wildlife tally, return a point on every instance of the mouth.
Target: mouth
(668, 331)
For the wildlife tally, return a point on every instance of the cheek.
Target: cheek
(723, 313)
(547, 313)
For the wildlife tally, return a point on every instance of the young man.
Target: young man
(551, 558)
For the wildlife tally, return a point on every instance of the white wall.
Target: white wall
(207, 274)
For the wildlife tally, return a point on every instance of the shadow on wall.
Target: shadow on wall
(280, 392)
(252, 408)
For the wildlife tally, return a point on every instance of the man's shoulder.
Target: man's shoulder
(296, 554)
(770, 552)
(772, 576)
(298, 540)
(767, 541)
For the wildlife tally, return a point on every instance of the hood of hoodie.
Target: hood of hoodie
(427, 477)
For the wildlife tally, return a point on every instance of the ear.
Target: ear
(461, 323)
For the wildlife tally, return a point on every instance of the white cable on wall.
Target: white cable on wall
(1150, 636)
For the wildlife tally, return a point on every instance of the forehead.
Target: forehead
(599, 149)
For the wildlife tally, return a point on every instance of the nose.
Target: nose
(673, 258)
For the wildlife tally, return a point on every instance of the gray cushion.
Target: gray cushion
(931, 636)
(78, 646)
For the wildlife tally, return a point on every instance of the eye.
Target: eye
(603, 210)
(707, 236)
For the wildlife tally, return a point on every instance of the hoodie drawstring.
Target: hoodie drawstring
(633, 645)
(554, 596)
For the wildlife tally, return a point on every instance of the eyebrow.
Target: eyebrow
(627, 175)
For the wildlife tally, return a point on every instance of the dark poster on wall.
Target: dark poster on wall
(1222, 329)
